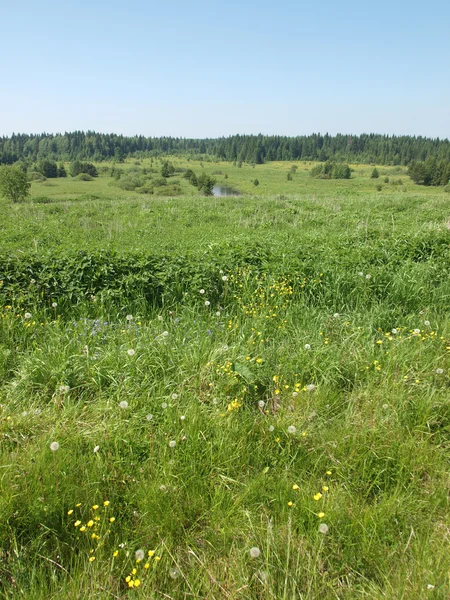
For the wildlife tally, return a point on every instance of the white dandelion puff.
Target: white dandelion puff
(64, 389)
(224, 277)
(54, 446)
(336, 315)
(292, 429)
(160, 317)
(307, 346)
(271, 428)
(323, 528)
(172, 444)
(27, 315)
(368, 276)
(255, 552)
(131, 352)
(426, 323)
(439, 371)
(183, 417)
(202, 291)
(361, 274)
(294, 394)
(207, 302)
(164, 405)
(129, 317)
(165, 334)
(310, 387)
(54, 304)
(149, 417)
(394, 331)
(96, 449)
(123, 404)
(174, 396)
(174, 573)
(139, 554)
(261, 403)
(417, 331)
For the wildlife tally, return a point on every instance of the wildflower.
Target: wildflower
(77, 523)
(182, 418)
(123, 404)
(328, 472)
(174, 573)
(96, 449)
(64, 389)
(294, 394)
(54, 304)
(139, 554)
(325, 488)
(259, 360)
(426, 323)
(147, 566)
(218, 313)
(321, 515)
(307, 347)
(207, 302)
(165, 334)
(224, 277)
(106, 503)
(164, 405)
(323, 528)
(295, 487)
(202, 291)
(131, 352)
(149, 417)
(90, 523)
(172, 444)
(95, 507)
(271, 428)
(137, 582)
(361, 274)
(417, 331)
(317, 496)
(439, 371)
(54, 446)
(430, 586)
(261, 403)
(116, 553)
(336, 315)
(151, 553)
(255, 552)
(292, 429)
(368, 276)
(83, 528)
(129, 317)
(290, 503)
(69, 512)
(112, 519)
(174, 396)
(27, 315)
(310, 387)
(91, 559)
(157, 558)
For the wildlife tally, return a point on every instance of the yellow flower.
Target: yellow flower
(83, 528)
(77, 523)
(328, 472)
(325, 488)
(131, 584)
(106, 503)
(259, 360)
(116, 553)
(95, 507)
(321, 515)
(78, 505)
(90, 523)
(69, 512)
(157, 558)
(290, 503)
(295, 487)
(127, 579)
(91, 559)
(151, 553)
(112, 519)
(137, 582)
(134, 571)
(317, 496)
(147, 566)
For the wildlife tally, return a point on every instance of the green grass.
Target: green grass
(305, 282)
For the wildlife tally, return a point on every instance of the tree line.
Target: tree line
(254, 149)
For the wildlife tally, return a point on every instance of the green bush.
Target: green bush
(85, 177)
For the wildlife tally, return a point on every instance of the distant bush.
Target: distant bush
(255, 182)
(447, 188)
(85, 177)
(386, 180)
(330, 170)
(375, 174)
(167, 190)
(42, 200)
(379, 187)
(62, 170)
(78, 167)
(48, 168)
(130, 182)
(35, 176)
(159, 182)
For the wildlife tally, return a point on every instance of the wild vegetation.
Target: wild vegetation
(225, 398)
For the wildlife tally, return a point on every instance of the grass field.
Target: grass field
(229, 397)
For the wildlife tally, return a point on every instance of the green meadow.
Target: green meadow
(237, 397)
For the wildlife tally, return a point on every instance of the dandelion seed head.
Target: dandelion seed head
(139, 554)
(174, 573)
(336, 315)
(123, 404)
(129, 317)
(165, 334)
(54, 304)
(131, 352)
(149, 417)
(160, 317)
(439, 371)
(292, 429)
(64, 389)
(430, 586)
(361, 274)
(368, 276)
(164, 405)
(323, 528)
(261, 403)
(207, 302)
(174, 396)
(394, 331)
(27, 315)
(54, 446)
(172, 444)
(416, 331)
(271, 428)
(294, 394)
(307, 346)
(202, 291)
(96, 449)
(255, 552)
(426, 323)
(310, 387)
(224, 277)
(218, 313)
(183, 417)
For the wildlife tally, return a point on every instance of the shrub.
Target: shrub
(36, 176)
(85, 177)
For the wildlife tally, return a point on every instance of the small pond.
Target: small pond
(223, 190)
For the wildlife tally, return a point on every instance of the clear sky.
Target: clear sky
(205, 68)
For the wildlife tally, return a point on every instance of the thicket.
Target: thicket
(330, 170)
(430, 172)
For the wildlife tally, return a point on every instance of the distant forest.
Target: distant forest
(366, 148)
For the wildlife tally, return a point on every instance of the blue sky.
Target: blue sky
(206, 69)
